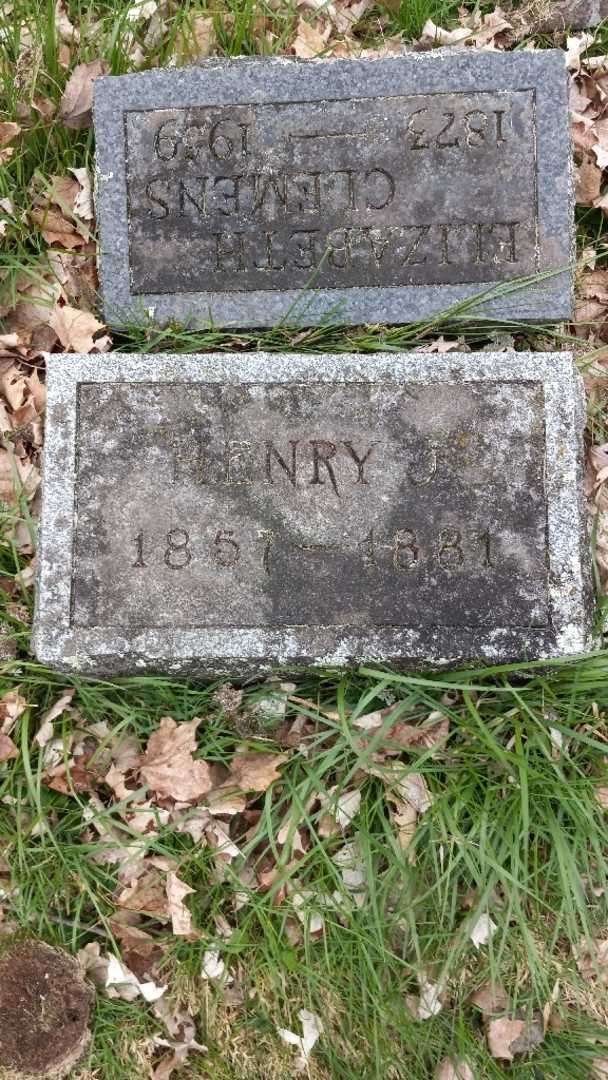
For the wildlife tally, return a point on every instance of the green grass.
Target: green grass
(515, 828)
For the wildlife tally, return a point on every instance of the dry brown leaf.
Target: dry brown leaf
(483, 930)
(181, 918)
(312, 1029)
(436, 35)
(430, 1002)
(57, 229)
(502, 1034)
(592, 960)
(404, 818)
(141, 10)
(17, 477)
(450, 1070)
(491, 998)
(77, 98)
(168, 765)
(8, 749)
(493, 25)
(66, 31)
(254, 772)
(413, 788)
(309, 42)
(12, 705)
(83, 202)
(148, 895)
(588, 183)
(8, 131)
(59, 707)
(76, 329)
(195, 39)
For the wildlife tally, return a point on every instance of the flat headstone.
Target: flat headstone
(244, 512)
(549, 15)
(252, 191)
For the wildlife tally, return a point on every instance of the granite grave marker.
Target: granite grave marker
(242, 512)
(249, 191)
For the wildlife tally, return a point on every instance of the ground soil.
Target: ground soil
(44, 1009)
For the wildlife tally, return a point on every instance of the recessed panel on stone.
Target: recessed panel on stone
(236, 513)
(252, 191)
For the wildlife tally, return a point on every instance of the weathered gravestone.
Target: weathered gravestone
(253, 191)
(548, 15)
(234, 512)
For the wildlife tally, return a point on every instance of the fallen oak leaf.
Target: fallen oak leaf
(77, 99)
(483, 930)
(592, 959)
(12, 705)
(177, 1057)
(76, 329)
(127, 985)
(8, 131)
(413, 788)
(147, 895)
(309, 42)
(575, 47)
(71, 779)
(436, 35)
(312, 1029)
(66, 31)
(8, 749)
(181, 918)
(450, 1070)
(588, 183)
(57, 229)
(45, 732)
(501, 1035)
(141, 10)
(429, 1002)
(83, 202)
(490, 998)
(213, 967)
(509, 1037)
(168, 766)
(255, 771)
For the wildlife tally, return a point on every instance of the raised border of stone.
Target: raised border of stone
(220, 81)
(240, 651)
